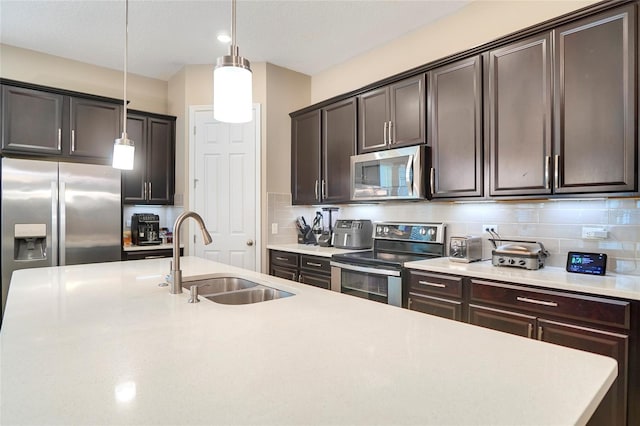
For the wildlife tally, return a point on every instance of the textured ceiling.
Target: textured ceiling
(308, 36)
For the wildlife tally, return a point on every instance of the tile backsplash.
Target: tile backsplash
(557, 224)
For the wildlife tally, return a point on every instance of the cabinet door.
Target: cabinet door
(322, 281)
(373, 120)
(595, 103)
(286, 273)
(613, 409)
(160, 161)
(455, 128)
(133, 181)
(95, 126)
(449, 309)
(520, 117)
(407, 119)
(338, 145)
(305, 158)
(507, 321)
(31, 121)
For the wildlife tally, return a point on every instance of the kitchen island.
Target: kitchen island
(104, 344)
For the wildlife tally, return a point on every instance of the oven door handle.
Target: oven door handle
(377, 271)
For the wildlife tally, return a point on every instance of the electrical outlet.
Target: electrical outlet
(274, 228)
(594, 233)
(492, 228)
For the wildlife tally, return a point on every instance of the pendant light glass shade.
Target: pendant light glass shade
(232, 86)
(123, 148)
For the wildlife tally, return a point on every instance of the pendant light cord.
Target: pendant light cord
(233, 48)
(126, 46)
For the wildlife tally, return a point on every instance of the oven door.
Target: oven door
(377, 284)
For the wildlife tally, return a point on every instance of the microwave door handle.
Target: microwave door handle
(408, 174)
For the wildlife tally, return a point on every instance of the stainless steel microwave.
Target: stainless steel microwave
(394, 174)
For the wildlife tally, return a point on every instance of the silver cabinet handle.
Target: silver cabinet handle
(59, 139)
(150, 193)
(384, 132)
(432, 183)
(324, 189)
(144, 191)
(556, 172)
(390, 132)
(281, 258)
(432, 284)
(536, 302)
(317, 194)
(530, 331)
(547, 160)
(409, 302)
(318, 265)
(155, 257)
(73, 141)
(539, 332)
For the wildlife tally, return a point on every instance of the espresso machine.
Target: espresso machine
(145, 229)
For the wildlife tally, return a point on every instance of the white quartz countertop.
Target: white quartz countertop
(103, 344)
(309, 249)
(615, 285)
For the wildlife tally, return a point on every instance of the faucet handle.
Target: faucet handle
(193, 294)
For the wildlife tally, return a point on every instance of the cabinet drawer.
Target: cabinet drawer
(314, 263)
(321, 281)
(430, 283)
(286, 273)
(585, 308)
(284, 258)
(449, 309)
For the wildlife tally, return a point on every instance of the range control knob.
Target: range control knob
(386, 230)
(423, 231)
(378, 229)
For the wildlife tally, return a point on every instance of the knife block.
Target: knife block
(306, 236)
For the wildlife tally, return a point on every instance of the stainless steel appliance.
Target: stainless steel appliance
(377, 274)
(465, 249)
(394, 174)
(522, 254)
(353, 234)
(58, 214)
(145, 229)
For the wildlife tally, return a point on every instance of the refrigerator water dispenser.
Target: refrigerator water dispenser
(30, 241)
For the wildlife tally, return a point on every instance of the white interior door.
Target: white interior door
(225, 190)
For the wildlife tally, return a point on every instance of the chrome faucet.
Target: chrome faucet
(175, 276)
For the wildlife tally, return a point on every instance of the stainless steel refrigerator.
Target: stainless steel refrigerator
(58, 214)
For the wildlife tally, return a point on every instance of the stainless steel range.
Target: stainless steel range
(377, 274)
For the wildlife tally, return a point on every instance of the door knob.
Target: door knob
(250, 243)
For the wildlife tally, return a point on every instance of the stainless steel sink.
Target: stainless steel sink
(210, 286)
(252, 295)
(234, 290)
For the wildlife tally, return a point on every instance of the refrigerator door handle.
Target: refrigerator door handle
(53, 261)
(63, 225)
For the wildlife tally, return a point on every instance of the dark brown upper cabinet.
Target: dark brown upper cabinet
(392, 116)
(338, 145)
(95, 125)
(455, 129)
(47, 123)
(152, 180)
(31, 121)
(519, 116)
(595, 103)
(589, 89)
(323, 142)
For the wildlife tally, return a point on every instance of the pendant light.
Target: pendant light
(123, 148)
(232, 91)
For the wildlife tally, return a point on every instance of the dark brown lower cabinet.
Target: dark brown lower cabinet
(450, 309)
(600, 325)
(149, 254)
(613, 409)
(306, 269)
(497, 319)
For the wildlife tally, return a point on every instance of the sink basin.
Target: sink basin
(210, 286)
(251, 295)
